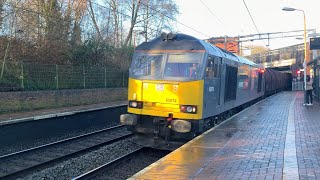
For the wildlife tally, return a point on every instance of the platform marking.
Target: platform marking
(290, 164)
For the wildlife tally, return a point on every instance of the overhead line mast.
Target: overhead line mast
(235, 41)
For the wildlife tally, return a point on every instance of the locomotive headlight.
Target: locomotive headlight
(136, 104)
(188, 109)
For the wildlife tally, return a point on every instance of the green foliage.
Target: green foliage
(95, 53)
(91, 53)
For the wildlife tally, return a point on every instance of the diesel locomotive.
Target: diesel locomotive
(179, 85)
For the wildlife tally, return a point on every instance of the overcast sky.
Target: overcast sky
(231, 18)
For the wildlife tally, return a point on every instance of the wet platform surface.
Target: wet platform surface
(277, 138)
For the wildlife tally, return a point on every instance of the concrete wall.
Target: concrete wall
(32, 100)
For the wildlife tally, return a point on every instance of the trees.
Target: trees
(50, 31)
(150, 17)
(157, 16)
(255, 49)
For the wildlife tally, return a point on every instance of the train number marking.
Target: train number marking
(170, 100)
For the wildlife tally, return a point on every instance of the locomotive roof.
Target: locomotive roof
(229, 55)
(178, 42)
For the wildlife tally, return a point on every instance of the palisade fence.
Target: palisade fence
(28, 76)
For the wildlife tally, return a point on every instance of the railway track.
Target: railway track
(124, 166)
(18, 164)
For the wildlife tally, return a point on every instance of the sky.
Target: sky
(231, 18)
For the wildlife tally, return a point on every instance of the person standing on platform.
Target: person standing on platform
(309, 89)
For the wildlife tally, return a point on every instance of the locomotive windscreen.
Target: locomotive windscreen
(182, 66)
(147, 65)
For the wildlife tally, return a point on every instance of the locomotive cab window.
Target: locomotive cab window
(217, 67)
(185, 65)
(146, 65)
(212, 68)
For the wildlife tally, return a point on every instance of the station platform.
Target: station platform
(17, 117)
(277, 138)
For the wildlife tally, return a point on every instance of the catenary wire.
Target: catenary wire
(176, 20)
(212, 12)
(253, 20)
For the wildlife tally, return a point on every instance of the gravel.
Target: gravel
(41, 141)
(129, 167)
(79, 165)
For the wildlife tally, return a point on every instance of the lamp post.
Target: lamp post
(305, 48)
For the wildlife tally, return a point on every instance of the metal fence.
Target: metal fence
(27, 76)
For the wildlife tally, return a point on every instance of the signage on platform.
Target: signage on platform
(314, 43)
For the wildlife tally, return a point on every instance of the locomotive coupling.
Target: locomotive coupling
(128, 119)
